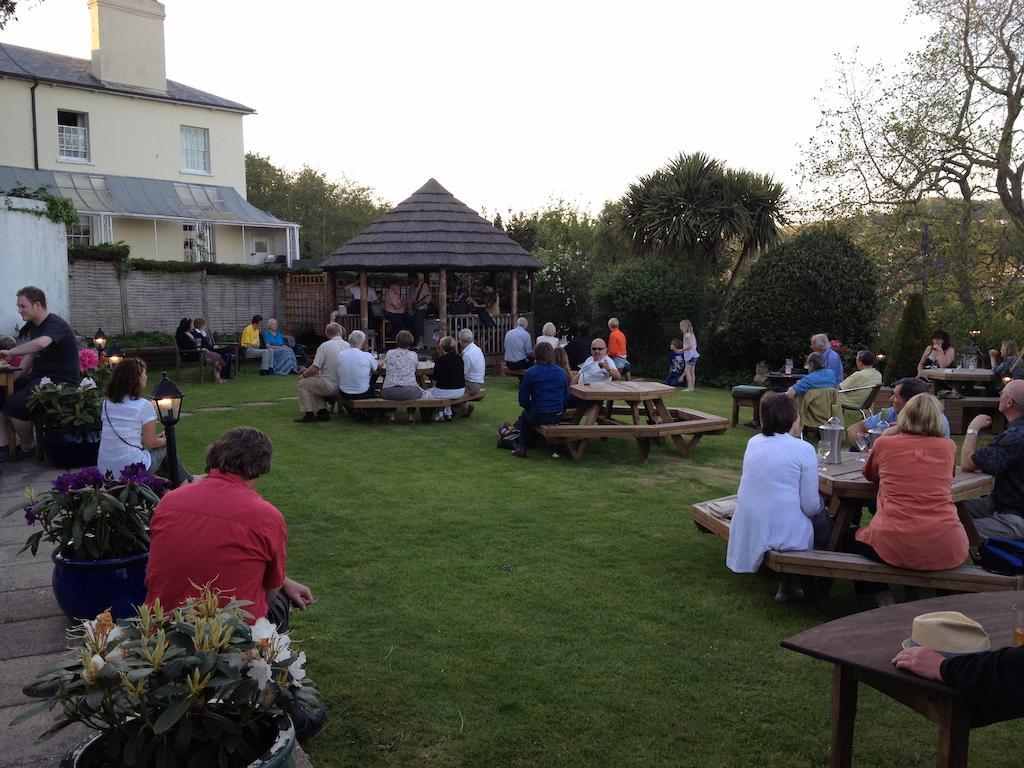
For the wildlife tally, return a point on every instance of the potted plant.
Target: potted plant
(195, 686)
(70, 416)
(100, 529)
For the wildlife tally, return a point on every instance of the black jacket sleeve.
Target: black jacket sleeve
(993, 683)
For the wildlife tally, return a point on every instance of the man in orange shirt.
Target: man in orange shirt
(617, 346)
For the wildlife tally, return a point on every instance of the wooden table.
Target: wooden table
(960, 377)
(424, 373)
(849, 489)
(595, 417)
(783, 380)
(7, 376)
(861, 647)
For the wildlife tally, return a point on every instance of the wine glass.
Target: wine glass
(864, 445)
(824, 451)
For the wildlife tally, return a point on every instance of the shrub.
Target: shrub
(912, 336)
(649, 298)
(563, 288)
(816, 282)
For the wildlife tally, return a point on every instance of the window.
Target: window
(195, 149)
(80, 233)
(198, 242)
(72, 136)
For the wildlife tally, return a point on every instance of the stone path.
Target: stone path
(32, 629)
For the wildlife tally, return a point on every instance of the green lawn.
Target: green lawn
(479, 610)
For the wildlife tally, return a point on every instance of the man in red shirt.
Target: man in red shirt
(221, 530)
(617, 346)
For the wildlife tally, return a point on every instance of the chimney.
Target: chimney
(128, 43)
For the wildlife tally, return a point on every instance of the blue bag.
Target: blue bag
(1005, 556)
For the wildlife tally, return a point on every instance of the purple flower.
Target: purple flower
(62, 484)
(30, 514)
(138, 474)
(74, 481)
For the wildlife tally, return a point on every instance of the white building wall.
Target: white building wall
(33, 251)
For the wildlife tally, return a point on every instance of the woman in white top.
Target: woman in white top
(400, 374)
(129, 424)
(777, 506)
(548, 335)
(690, 353)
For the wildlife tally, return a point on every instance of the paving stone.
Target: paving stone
(14, 674)
(26, 604)
(33, 637)
(216, 408)
(293, 397)
(261, 403)
(8, 553)
(21, 747)
(32, 573)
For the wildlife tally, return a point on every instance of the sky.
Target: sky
(511, 105)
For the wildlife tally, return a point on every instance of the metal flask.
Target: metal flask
(832, 435)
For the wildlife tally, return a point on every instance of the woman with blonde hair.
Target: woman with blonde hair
(915, 525)
(449, 377)
(690, 354)
(548, 334)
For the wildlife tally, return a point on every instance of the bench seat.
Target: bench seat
(715, 516)
(382, 404)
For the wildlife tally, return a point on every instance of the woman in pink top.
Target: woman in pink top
(916, 524)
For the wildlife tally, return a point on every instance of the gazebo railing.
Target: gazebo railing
(490, 340)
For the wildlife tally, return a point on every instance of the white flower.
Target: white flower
(87, 383)
(259, 671)
(283, 641)
(97, 662)
(45, 380)
(263, 630)
(295, 668)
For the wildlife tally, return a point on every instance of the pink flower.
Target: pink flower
(88, 359)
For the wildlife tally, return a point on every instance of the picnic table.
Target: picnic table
(424, 373)
(849, 489)
(7, 376)
(861, 647)
(783, 380)
(958, 378)
(596, 417)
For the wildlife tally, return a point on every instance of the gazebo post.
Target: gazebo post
(364, 305)
(514, 306)
(533, 295)
(331, 294)
(442, 299)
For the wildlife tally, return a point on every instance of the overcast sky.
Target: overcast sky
(510, 105)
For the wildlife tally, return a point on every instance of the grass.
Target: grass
(477, 610)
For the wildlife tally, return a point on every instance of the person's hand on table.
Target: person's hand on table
(298, 594)
(980, 422)
(5, 356)
(920, 661)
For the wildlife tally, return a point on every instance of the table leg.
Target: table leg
(973, 537)
(588, 418)
(954, 735)
(841, 511)
(666, 417)
(844, 712)
(634, 409)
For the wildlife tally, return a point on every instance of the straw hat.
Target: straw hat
(948, 632)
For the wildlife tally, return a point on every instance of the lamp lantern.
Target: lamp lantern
(100, 339)
(167, 399)
(114, 355)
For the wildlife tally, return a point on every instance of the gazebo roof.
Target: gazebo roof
(427, 231)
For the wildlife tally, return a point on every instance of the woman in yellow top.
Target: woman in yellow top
(251, 342)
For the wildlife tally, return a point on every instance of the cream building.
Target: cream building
(146, 160)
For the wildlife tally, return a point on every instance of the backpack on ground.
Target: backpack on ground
(1004, 556)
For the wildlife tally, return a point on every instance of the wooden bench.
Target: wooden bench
(517, 372)
(684, 423)
(715, 516)
(960, 411)
(743, 396)
(423, 405)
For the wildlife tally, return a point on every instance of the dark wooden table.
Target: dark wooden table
(849, 489)
(7, 375)
(861, 647)
(958, 378)
(784, 380)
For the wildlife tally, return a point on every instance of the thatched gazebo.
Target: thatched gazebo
(430, 232)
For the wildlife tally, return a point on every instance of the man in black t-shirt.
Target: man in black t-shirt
(1001, 514)
(51, 351)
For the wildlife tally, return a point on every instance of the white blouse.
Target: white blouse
(777, 498)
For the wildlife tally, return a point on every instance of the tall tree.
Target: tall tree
(948, 123)
(696, 209)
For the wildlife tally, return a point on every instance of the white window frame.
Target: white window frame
(70, 135)
(191, 151)
(81, 232)
(197, 242)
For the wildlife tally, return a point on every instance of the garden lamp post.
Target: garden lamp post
(167, 399)
(114, 356)
(100, 340)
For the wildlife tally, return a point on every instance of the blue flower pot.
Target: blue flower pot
(85, 588)
(66, 450)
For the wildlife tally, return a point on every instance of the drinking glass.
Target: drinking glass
(864, 445)
(788, 366)
(823, 453)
